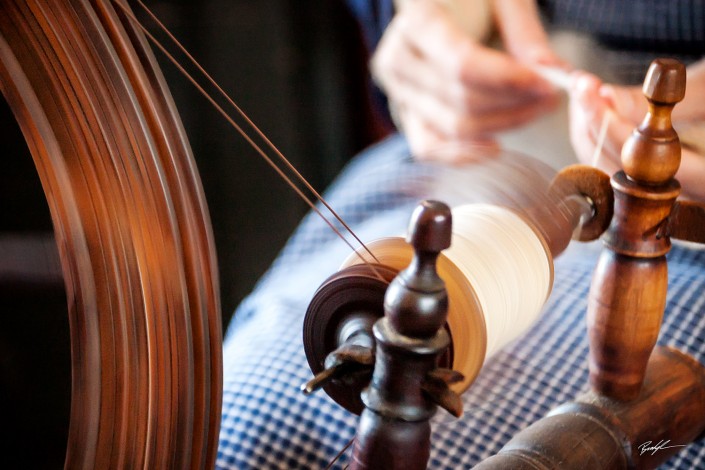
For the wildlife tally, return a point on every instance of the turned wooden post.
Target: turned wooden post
(644, 406)
(628, 293)
(394, 432)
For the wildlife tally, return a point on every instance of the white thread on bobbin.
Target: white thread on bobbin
(498, 274)
(508, 266)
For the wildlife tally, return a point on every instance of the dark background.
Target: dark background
(297, 68)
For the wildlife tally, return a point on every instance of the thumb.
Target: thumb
(628, 102)
(522, 32)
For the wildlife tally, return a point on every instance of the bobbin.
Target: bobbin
(477, 269)
(479, 322)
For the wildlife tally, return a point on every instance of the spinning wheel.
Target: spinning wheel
(138, 263)
(132, 230)
(610, 426)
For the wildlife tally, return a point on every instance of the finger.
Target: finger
(618, 130)
(631, 102)
(403, 64)
(450, 122)
(598, 131)
(587, 111)
(691, 107)
(522, 32)
(494, 120)
(430, 29)
(628, 102)
(387, 57)
(453, 122)
(423, 140)
(691, 174)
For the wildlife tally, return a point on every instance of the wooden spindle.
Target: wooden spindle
(628, 293)
(394, 432)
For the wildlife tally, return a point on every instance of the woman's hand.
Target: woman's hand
(446, 87)
(625, 107)
(590, 111)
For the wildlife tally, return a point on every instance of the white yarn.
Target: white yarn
(507, 264)
(498, 273)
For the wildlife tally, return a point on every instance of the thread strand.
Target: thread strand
(241, 131)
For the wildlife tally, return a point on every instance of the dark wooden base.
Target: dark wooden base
(600, 433)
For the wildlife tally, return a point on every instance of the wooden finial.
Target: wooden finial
(652, 154)
(430, 227)
(416, 303)
(665, 82)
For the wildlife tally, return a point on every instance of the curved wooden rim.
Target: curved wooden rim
(133, 233)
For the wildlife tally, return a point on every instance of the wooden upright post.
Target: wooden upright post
(394, 432)
(628, 292)
(635, 417)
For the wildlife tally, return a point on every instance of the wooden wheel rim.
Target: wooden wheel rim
(132, 230)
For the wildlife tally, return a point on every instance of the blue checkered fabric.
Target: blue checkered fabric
(268, 424)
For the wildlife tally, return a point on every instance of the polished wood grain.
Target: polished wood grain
(394, 431)
(598, 433)
(628, 293)
(645, 405)
(132, 230)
